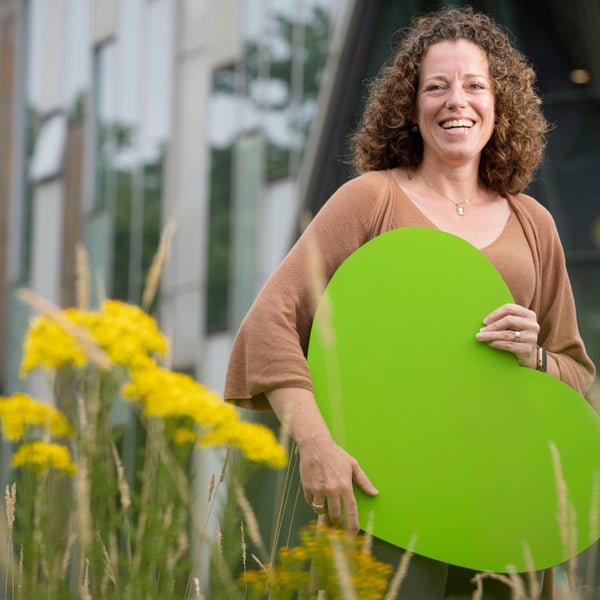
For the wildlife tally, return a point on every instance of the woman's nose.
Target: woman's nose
(456, 97)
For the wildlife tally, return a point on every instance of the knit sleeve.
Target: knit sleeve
(269, 351)
(559, 333)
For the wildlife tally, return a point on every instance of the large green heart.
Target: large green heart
(457, 437)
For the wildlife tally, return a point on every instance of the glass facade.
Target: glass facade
(271, 92)
(133, 74)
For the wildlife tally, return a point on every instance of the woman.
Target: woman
(450, 138)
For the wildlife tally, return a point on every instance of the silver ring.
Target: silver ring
(516, 336)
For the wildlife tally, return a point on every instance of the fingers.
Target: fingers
(362, 481)
(319, 506)
(327, 473)
(340, 510)
(338, 504)
(512, 328)
(505, 310)
(334, 509)
(509, 335)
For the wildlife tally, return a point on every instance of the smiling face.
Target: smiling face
(455, 102)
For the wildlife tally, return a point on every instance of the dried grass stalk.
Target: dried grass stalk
(342, 568)
(563, 504)
(10, 497)
(84, 588)
(211, 487)
(66, 561)
(567, 520)
(158, 264)
(124, 492)
(518, 587)
(243, 545)
(198, 595)
(367, 547)
(251, 521)
(82, 487)
(108, 567)
(6, 560)
(478, 580)
(313, 579)
(219, 540)
(286, 488)
(225, 463)
(534, 588)
(401, 571)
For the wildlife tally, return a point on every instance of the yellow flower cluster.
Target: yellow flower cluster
(131, 339)
(20, 411)
(44, 455)
(290, 578)
(291, 574)
(125, 332)
(128, 334)
(47, 344)
(177, 396)
(257, 441)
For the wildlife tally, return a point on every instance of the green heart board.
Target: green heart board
(456, 436)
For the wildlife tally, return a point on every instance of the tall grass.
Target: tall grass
(113, 530)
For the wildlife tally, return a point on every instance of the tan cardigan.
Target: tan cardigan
(270, 348)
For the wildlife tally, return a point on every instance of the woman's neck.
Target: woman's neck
(455, 182)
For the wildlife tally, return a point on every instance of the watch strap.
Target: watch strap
(542, 360)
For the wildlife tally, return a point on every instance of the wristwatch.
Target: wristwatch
(542, 360)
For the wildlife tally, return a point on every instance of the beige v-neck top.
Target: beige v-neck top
(270, 348)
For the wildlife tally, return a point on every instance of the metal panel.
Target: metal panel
(248, 182)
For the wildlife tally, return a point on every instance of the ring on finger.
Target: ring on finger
(516, 336)
(318, 508)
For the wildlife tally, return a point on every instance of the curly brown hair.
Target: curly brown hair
(385, 138)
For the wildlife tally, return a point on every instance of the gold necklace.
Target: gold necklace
(460, 211)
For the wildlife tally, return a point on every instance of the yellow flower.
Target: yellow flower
(183, 435)
(256, 441)
(291, 573)
(20, 411)
(125, 332)
(170, 395)
(44, 455)
(47, 344)
(167, 394)
(128, 334)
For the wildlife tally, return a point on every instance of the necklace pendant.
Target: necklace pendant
(460, 211)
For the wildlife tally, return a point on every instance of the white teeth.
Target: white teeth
(457, 123)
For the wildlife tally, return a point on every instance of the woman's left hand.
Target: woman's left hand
(512, 328)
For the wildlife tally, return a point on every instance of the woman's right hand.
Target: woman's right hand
(326, 470)
(327, 473)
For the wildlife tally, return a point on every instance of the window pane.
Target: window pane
(133, 78)
(48, 154)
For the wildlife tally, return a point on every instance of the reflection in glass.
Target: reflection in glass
(272, 90)
(132, 83)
